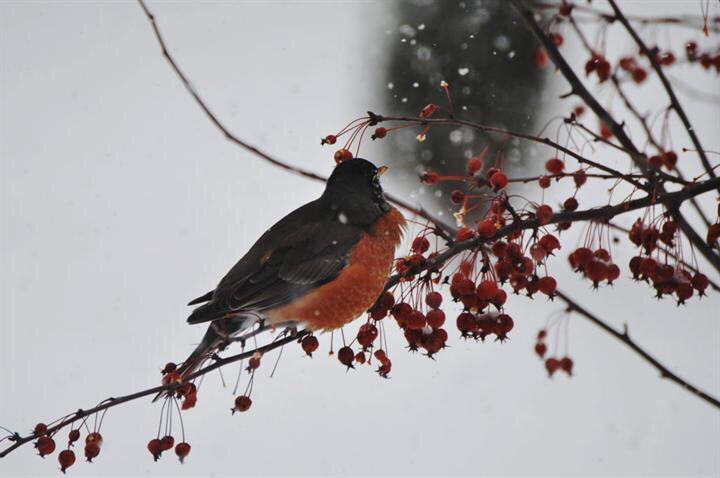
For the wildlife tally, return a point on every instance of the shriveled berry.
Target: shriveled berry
(73, 436)
(540, 349)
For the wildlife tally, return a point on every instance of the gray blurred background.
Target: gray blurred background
(120, 202)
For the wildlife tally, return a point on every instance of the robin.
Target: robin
(319, 267)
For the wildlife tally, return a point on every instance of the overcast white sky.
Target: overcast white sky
(120, 202)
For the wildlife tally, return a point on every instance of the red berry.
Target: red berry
(167, 442)
(435, 318)
(463, 234)
(379, 133)
(40, 429)
(310, 344)
(554, 166)
(486, 228)
(667, 58)
(547, 285)
(552, 365)
(342, 155)
(466, 323)
(416, 320)
(457, 197)
(541, 59)
(498, 180)
(605, 132)
(499, 299)
(544, 214)
(540, 349)
(430, 178)
(428, 110)
(566, 364)
(242, 403)
(713, 234)
(580, 177)
(557, 39)
(433, 299)
(367, 335)
(155, 448)
(544, 182)
(639, 75)
(73, 436)
(45, 445)
(346, 356)
(93, 449)
(549, 243)
(94, 437)
(66, 458)
(700, 282)
(182, 450)
(420, 245)
(570, 204)
(329, 139)
(486, 290)
(169, 368)
(474, 165)
(566, 9)
(254, 363)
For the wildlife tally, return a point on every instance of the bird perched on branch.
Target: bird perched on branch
(319, 267)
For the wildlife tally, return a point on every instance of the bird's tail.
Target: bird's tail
(218, 335)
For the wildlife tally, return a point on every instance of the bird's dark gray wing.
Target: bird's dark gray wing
(291, 259)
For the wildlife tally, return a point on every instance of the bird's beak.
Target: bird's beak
(381, 170)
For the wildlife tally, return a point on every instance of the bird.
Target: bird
(319, 267)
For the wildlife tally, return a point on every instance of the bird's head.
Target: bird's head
(354, 192)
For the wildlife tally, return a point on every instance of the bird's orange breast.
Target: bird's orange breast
(356, 288)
